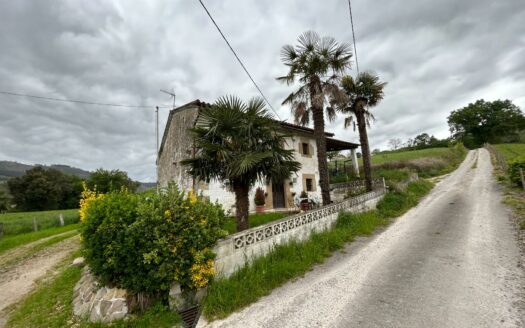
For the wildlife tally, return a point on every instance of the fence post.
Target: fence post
(35, 225)
(384, 183)
(522, 178)
(1, 229)
(61, 218)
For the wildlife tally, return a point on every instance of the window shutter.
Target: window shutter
(310, 149)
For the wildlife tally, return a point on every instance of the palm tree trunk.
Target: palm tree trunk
(322, 164)
(320, 139)
(365, 148)
(242, 205)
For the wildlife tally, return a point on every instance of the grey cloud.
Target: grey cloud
(435, 57)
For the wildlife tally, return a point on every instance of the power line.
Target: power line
(353, 36)
(75, 101)
(238, 59)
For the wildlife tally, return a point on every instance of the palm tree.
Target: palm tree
(240, 143)
(363, 92)
(317, 64)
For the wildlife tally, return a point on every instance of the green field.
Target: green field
(396, 165)
(511, 151)
(408, 155)
(22, 222)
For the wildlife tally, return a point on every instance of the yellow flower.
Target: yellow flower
(87, 196)
(192, 197)
(167, 214)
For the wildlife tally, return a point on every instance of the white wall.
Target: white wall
(217, 191)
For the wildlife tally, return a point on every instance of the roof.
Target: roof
(331, 143)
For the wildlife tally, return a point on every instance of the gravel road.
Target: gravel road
(453, 261)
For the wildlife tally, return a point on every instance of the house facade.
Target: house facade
(177, 145)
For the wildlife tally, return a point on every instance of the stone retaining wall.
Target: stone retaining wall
(238, 249)
(98, 303)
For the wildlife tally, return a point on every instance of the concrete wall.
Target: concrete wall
(239, 249)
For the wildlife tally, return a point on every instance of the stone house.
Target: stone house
(177, 145)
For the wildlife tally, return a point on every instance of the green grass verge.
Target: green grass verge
(254, 220)
(294, 259)
(7, 243)
(511, 151)
(22, 222)
(50, 305)
(513, 194)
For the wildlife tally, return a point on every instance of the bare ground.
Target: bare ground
(18, 280)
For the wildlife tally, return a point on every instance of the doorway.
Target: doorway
(278, 195)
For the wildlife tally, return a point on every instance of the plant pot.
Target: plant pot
(305, 206)
(259, 208)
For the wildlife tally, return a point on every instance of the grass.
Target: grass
(22, 222)
(511, 151)
(7, 243)
(50, 305)
(397, 165)
(514, 195)
(255, 220)
(292, 260)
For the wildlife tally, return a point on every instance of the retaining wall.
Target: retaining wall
(238, 249)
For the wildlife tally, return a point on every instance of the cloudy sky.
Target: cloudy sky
(435, 55)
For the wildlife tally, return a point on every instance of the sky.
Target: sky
(436, 56)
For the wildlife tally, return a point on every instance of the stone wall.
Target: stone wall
(98, 303)
(177, 145)
(238, 249)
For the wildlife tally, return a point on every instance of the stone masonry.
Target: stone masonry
(98, 303)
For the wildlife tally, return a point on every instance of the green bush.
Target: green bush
(514, 169)
(145, 242)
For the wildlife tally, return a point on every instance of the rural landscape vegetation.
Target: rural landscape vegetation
(158, 244)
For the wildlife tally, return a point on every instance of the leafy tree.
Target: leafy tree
(4, 200)
(105, 181)
(241, 144)
(316, 63)
(333, 154)
(485, 121)
(45, 189)
(363, 92)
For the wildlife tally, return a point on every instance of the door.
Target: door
(278, 195)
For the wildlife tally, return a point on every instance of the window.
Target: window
(309, 184)
(305, 147)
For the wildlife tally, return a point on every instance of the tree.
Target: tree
(317, 64)
(241, 144)
(484, 121)
(363, 92)
(45, 189)
(333, 154)
(105, 181)
(4, 200)
(395, 143)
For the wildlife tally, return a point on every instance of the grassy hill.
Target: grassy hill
(10, 169)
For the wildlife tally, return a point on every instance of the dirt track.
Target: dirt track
(18, 280)
(453, 261)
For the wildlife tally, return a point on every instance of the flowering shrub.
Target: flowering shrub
(146, 242)
(87, 196)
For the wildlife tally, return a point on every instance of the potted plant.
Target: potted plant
(305, 205)
(259, 200)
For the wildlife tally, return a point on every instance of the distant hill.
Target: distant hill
(10, 169)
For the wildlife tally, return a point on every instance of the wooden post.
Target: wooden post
(35, 225)
(522, 178)
(61, 218)
(1, 229)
